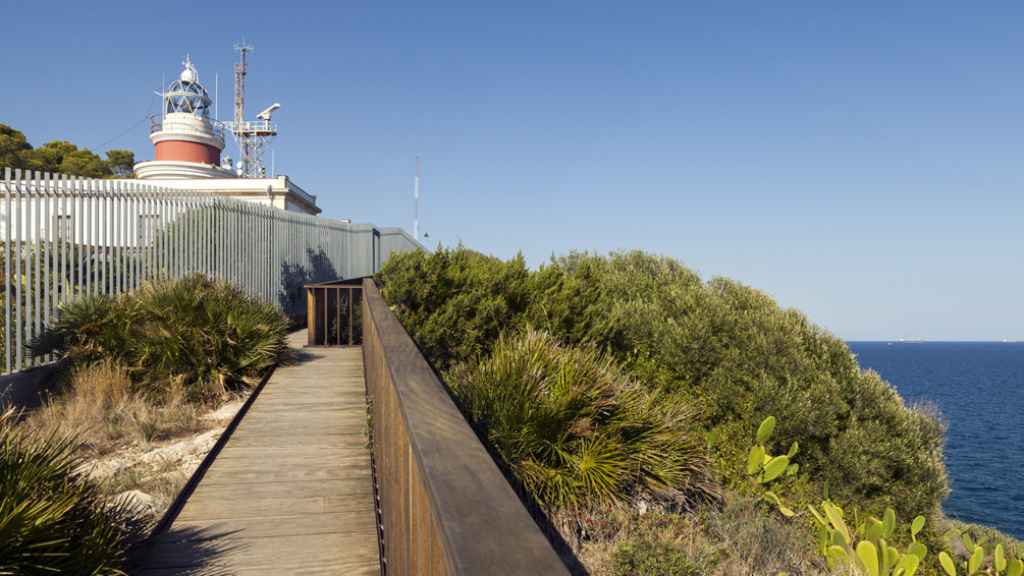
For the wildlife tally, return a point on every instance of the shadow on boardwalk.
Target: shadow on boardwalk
(195, 552)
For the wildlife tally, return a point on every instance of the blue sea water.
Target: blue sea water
(979, 388)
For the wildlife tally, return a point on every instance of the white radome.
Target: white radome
(189, 74)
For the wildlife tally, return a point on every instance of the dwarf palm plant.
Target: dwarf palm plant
(202, 333)
(53, 520)
(574, 430)
(207, 332)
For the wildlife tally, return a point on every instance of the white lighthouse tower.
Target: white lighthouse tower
(186, 142)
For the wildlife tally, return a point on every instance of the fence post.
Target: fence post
(61, 220)
(102, 233)
(7, 269)
(48, 255)
(76, 224)
(17, 293)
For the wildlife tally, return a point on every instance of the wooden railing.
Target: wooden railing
(446, 507)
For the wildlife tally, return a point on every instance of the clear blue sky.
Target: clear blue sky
(860, 161)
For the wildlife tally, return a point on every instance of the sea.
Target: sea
(979, 389)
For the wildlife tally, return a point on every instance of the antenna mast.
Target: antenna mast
(245, 155)
(416, 198)
(252, 137)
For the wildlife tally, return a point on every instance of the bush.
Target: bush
(204, 335)
(727, 347)
(759, 543)
(574, 430)
(455, 303)
(647, 557)
(52, 519)
(746, 358)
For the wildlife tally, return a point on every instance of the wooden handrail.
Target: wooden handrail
(446, 507)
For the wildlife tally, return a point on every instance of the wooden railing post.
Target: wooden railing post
(310, 317)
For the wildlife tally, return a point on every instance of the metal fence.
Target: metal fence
(64, 237)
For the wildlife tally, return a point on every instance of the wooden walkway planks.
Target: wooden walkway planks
(291, 491)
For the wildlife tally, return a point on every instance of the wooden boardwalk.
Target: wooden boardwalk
(291, 491)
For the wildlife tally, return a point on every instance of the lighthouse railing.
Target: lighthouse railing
(157, 124)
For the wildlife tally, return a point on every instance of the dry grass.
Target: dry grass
(161, 482)
(740, 538)
(128, 441)
(758, 542)
(662, 533)
(101, 410)
(952, 531)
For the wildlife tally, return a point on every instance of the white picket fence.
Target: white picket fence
(65, 237)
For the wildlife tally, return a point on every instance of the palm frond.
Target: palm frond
(574, 429)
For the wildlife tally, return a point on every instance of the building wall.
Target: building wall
(279, 192)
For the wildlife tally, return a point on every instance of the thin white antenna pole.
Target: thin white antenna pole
(416, 196)
(163, 96)
(273, 163)
(216, 96)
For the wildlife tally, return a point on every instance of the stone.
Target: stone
(137, 499)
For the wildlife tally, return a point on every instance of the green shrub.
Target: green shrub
(52, 519)
(202, 334)
(455, 303)
(745, 358)
(651, 557)
(574, 429)
(727, 347)
(752, 540)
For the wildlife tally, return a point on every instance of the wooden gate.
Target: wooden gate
(335, 313)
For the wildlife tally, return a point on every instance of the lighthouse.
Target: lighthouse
(187, 143)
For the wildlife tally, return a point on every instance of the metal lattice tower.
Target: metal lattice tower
(243, 50)
(252, 137)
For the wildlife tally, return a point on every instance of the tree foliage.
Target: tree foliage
(13, 147)
(456, 301)
(121, 162)
(61, 157)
